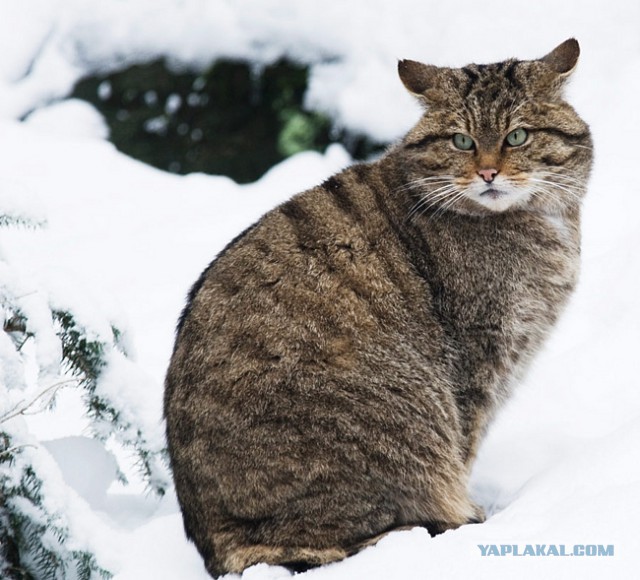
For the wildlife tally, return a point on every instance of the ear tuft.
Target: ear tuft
(564, 58)
(416, 76)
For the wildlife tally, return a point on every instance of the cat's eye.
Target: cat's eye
(463, 142)
(517, 137)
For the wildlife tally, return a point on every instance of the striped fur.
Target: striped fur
(338, 363)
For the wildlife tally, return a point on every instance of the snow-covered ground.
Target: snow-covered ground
(124, 242)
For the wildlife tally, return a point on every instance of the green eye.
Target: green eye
(463, 142)
(517, 137)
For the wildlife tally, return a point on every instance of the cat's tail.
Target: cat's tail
(298, 559)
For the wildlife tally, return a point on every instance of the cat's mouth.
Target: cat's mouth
(500, 199)
(493, 193)
(499, 196)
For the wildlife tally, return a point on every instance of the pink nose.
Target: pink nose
(488, 174)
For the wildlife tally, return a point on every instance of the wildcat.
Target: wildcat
(338, 363)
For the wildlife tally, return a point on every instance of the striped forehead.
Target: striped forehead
(492, 80)
(491, 93)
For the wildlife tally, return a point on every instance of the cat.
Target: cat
(337, 364)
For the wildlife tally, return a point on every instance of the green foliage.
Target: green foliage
(232, 119)
(36, 541)
(32, 540)
(299, 132)
(84, 358)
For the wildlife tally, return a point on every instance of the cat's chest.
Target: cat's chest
(505, 276)
(496, 292)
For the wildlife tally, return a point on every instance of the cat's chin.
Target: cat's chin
(498, 200)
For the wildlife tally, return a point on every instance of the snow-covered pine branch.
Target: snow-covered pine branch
(43, 348)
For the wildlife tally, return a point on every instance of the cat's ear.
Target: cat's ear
(563, 58)
(416, 76)
(430, 84)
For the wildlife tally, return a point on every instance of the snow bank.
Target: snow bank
(558, 466)
(353, 46)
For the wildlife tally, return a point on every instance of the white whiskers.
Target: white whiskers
(430, 180)
(558, 185)
(445, 192)
(448, 203)
(439, 194)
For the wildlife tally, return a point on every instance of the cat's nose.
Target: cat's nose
(488, 174)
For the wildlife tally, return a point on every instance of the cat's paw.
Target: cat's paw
(479, 515)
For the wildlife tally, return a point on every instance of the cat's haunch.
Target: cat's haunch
(338, 363)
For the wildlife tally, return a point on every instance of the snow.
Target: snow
(123, 243)
(70, 118)
(86, 466)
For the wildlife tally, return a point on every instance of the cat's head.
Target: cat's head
(496, 137)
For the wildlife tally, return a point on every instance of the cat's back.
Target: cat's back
(309, 276)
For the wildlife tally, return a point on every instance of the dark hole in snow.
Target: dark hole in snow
(232, 119)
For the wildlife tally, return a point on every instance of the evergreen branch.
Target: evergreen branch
(85, 359)
(20, 220)
(15, 449)
(17, 410)
(32, 539)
